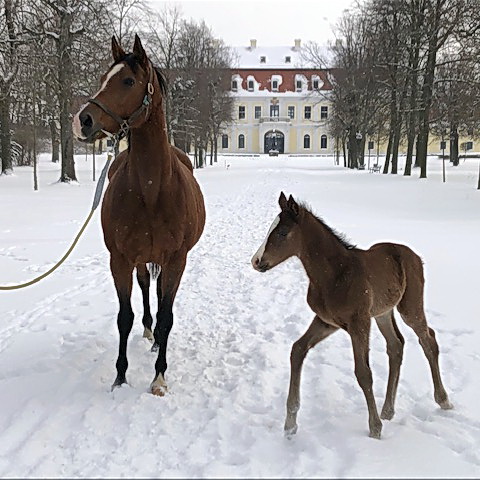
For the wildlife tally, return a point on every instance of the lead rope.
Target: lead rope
(96, 201)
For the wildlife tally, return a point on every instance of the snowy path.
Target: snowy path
(229, 348)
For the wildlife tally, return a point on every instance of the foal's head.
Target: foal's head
(283, 239)
(125, 95)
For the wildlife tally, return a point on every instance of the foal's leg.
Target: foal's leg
(359, 332)
(143, 277)
(426, 336)
(122, 275)
(388, 328)
(159, 304)
(171, 275)
(317, 331)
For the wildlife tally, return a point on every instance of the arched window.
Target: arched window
(323, 141)
(241, 141)
(224, 141)
(306, 141)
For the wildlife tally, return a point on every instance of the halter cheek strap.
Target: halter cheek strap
(126, 123)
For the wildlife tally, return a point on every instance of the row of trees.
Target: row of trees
(53, 52)
(405, 69)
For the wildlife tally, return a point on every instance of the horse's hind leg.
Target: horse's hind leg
(170, 280)
(388, 328)
(122, 275)
(411, 310)
(316, 332)
(143, 277)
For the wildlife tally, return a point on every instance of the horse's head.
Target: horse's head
(125, 97)
(282, 239)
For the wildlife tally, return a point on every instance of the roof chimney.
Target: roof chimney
(253, 43)
(298, 43)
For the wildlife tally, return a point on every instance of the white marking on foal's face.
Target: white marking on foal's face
(77, 126)
(261, 250)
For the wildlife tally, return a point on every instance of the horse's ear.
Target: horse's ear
(282, 201)
(117, 51)
(293, 206)
(139, 51)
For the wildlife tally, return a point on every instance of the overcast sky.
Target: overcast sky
(270, 22)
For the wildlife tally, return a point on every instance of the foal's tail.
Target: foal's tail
(154, 270)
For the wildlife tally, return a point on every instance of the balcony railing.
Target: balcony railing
(275, 119)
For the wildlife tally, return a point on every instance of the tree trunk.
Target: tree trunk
(344, 149)
(54, 140)
(454, 145)
(386, 165)
(396, 144)
(5, 136)
(215, 147)
(65, 94)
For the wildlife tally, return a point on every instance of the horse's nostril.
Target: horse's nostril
(257, 261)
(86, 120)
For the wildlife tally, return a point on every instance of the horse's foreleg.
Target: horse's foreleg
(159, 304)
(359, 333)
(388, 328)
(122, 275)
(170, 280)
(316, 332)
(143, 277)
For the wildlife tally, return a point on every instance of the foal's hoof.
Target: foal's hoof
(290, 429)
(159, 387)
(376, 433)
(147, 333)
(387, 413)
(155, 347)
(446, 405)
(118, 383)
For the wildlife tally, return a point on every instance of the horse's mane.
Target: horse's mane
(339, 236)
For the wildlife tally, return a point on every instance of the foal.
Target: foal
(347, 287)
(153, 210)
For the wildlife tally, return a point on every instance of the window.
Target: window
(315, 84)
(323, 112)
(275, 85)
(308, 112)
(323, 141)
(288, 59)
(299, 85)
(250, 85)
(241, 112)
(224, 141)
(258, 112)
(291, 112)
(241, 141)
(263, 59)
(306, 141)
(274, 110)
(234, 85)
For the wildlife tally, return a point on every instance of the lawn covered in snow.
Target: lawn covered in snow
(229, 348)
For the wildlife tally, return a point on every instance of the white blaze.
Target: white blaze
(77, 126)
(261, 249)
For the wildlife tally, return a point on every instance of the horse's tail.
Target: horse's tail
(154, 270)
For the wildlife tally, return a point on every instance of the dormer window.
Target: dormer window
(299, 85)
(234, 85)
(263, 59)
(275, 85)
(315, 84)
(288, 59)
(250, 85)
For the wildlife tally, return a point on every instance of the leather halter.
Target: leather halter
(125, 123)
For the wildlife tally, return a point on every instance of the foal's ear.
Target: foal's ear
(139, 51)
(117, 51)
(282, 201)
(293, 206)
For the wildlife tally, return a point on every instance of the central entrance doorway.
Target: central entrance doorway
(274, 140)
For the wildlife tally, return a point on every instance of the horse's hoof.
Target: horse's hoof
(289, 432)
(387, 413)
(446, 405)
(118, 383)
(376, 433)
(159, 387)
(155, 347)
(147, 333)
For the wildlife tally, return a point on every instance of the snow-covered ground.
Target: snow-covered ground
(229, 348)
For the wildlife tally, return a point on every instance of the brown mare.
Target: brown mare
(153, 210)
(347, 287)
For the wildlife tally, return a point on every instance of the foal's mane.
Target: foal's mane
(338, 235)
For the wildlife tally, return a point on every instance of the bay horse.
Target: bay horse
(153, 210)
(347, 287)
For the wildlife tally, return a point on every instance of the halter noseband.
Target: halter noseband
(125, 123)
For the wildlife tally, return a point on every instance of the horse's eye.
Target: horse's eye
(282, 233)
(128, 82)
